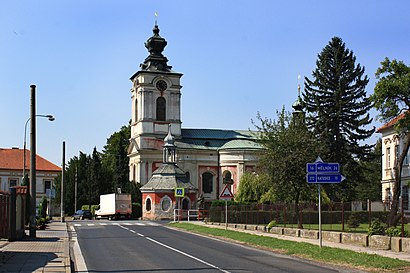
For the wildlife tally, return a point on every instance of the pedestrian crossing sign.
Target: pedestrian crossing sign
(179, 192)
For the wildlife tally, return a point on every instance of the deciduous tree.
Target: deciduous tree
(392, 98)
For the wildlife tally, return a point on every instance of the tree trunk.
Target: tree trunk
(300, 226)
(398, 165)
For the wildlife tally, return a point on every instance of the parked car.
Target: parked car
(82, 214)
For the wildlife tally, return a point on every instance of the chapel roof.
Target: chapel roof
(168, 177)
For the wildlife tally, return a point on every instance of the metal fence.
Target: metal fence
(307, 213)
(4, 214)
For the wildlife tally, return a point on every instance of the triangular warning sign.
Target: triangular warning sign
(226, 193)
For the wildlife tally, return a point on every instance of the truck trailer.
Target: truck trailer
(114, 206)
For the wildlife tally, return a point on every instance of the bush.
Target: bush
(377, 227)
(272, 224)
(353, 221)
(42, 208)
(395, 232)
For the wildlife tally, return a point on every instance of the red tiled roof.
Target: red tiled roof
(391, 123)
(12, 159)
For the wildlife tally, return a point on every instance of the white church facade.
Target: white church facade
(209, 157)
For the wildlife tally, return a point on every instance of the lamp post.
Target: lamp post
(50, 118)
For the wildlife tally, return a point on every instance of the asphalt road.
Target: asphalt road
(141, 246)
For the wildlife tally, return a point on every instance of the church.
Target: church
(210, 158)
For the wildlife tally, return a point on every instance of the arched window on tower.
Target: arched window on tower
(227, 179)
(207, 182)
(161, 109)
(136, 111)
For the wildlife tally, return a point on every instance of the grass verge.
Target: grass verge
(349, 258)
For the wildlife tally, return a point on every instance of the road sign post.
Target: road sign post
(322, 172)
(226, 194)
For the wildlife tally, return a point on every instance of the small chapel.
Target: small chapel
(209, 158)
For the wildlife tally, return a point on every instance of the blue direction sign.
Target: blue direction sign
(324, 178)
(321, 167)
(322, 172)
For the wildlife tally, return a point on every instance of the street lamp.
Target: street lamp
(50, 118)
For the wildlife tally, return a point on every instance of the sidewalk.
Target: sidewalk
(48, 252)
(386, 253)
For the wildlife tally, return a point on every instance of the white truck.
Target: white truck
(114, 206)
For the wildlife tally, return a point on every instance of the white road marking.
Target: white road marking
(90, 225)
(78, 256)
(178, 251)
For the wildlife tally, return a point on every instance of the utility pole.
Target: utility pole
(33, 197)
(62, 184)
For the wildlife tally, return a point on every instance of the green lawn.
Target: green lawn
(363, 228)
(313, 252)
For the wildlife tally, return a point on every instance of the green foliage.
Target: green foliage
(252, 187)
(115, 158)
(288, 147)
(391, 98)
(338, 113)
(370, 187)
(41, 221)
(42, 208)
(136, 210)
(98, 173)
(353, 221)
(396, 232)
(377, 227)
(272, 224)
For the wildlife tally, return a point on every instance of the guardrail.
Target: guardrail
(190, 214)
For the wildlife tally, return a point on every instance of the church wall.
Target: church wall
(157, 198)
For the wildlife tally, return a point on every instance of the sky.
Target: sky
(238, 58)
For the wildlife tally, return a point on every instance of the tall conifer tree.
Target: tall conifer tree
(338, 112)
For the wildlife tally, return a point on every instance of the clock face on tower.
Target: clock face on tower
(161, 85)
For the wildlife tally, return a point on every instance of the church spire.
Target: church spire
(156, 61)
(298, 104)
(169, 148)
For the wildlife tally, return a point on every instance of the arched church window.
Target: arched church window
(148, 204)
(136, 111)
(207, 182)
(227, 178)
(161, 109)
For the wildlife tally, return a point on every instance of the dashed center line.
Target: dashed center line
(177, 250)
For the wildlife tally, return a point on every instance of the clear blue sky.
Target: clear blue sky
(238, 57)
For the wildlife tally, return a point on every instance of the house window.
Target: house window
(188, 176)
(207, 182)
(388, 158)
(134, 170)
(397, 152)
(47, 185)
(161, 108)
(13, 182)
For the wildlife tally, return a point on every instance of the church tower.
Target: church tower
(156, 105)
